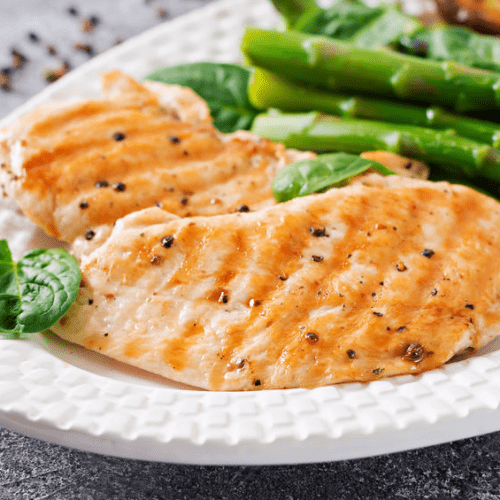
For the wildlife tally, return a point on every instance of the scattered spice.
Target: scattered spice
(102, 184)
(243, 208)
(5, 79)
(85, 47)
(84, 204)
(381, 283)
(89, 234)
(351, 354)
(282, 278)
(119, 186)
(89, 24)
(415, 353)
(118, 136)
(378, 371)
(51, 50)
(400, 267)
(174, 139)
(317, 258)
(428, 253)
(161, 12)
(408, 165)
(167, 241)
(434, 291)
(373, 294)
(72, 11)
(257, 382)
(318, 232)
(55, 74)
(401, 329)
(91, 301)
(312, 337)
(18, 59)
(376, 313)
(33, 37)
(223, 298)
(184, 200)
(254, 303)
(469, 306)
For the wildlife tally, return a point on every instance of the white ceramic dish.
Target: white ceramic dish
(61, 393)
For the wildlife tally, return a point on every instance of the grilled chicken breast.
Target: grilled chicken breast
(76, 167)
(387, 276)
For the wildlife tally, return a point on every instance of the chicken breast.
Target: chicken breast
(386, 276)
(76, 167)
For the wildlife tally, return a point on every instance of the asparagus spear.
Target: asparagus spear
(340, 66)
(318, 132)
(269, 90)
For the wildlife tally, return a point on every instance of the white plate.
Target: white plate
(61, 393)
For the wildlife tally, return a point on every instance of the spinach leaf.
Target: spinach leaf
(341, 21)
(36, 291)
(313, 175)
(222, 86)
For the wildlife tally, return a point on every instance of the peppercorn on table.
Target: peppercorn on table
(40, 43)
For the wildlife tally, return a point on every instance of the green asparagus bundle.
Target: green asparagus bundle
(269, 90)
(388, 25)
(317, 132)
(339, 66)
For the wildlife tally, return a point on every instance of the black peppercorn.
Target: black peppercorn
(119, 136)
(427, 253)
(167, 242)
(312, 337)
(318, 232)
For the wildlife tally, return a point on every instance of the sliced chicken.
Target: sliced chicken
(387, 276)
(76, 167)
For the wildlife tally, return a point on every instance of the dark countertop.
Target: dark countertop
(32, 469)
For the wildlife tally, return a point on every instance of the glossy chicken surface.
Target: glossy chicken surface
(387, 276)
(75, 167)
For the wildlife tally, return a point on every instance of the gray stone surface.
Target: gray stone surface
(32, 469)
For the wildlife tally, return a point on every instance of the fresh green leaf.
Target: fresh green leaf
(37, 291)
(291, 10)
(323, 172)
(222, 86)
(342, 20)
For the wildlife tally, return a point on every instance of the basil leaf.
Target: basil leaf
(222, 86)
(317, 174)
(37, 291)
